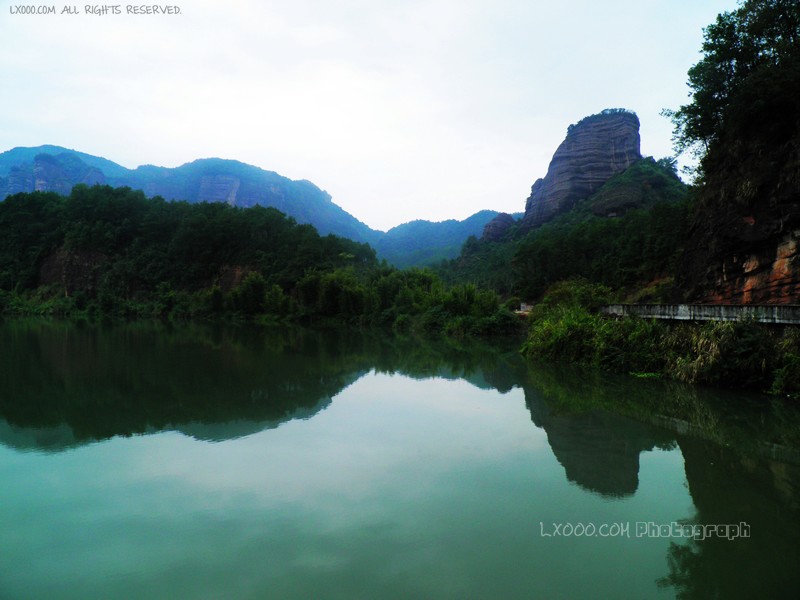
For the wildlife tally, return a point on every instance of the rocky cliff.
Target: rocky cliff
(595, 149)
(744, 259)
(496, 229)
(744, 244)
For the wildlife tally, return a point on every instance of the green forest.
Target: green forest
(111, 251)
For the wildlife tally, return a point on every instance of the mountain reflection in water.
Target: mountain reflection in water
(63, 386)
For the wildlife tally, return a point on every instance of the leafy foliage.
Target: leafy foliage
(111, 250)
(565, 326)
(599, 116)
(614, 252)
(744, 50)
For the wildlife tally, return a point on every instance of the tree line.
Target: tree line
(112, 251)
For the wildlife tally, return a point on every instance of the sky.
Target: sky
(399, 109)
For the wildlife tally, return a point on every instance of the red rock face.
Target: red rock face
(744, 250)
(232, 276)
(594, 150)
(768, 276)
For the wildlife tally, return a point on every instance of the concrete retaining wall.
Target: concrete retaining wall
(779, 314)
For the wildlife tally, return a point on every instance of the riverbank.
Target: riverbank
(566, 326)
(412, 301)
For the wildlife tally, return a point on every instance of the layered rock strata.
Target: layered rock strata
(595, 149)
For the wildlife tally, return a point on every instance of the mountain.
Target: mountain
(47, 172)
(602, 213)
(401, 245)
(595, 149)
(51, 168)
(57, 169)
(496, 229)
(20, 156)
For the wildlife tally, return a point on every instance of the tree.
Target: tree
(758, 41)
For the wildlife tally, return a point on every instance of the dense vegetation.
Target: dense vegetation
(745, 88)
(632, 249)
(113, 251)
(56, 169)
(565, 327)
(635, 249)
(743, 123)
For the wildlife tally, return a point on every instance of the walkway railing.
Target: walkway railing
(779, 314)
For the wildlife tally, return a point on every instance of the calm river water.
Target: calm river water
(146, 461)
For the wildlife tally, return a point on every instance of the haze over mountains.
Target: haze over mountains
(58, 169)
(588, 166)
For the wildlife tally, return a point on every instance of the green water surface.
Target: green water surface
(146, 461)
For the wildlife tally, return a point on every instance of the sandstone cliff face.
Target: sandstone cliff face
(745, 235)
(770, 275)
(755, 262)
(595, 149)
(495, 230)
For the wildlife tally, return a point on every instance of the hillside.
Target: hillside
(627, 233)
(403, 245)
(57, 169)
(50, 168)
(114, 252)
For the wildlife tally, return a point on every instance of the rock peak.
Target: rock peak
(595, 149)
(495, 229)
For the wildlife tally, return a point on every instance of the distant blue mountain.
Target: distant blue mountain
(54, 168)
(403, 245)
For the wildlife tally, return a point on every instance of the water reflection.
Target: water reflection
(598, 450)
(727, 487)
(62, 387)
(741, 463)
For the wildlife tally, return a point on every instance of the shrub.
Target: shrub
(249, 297)
(738, 353)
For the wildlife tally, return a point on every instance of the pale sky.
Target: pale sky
(400, 109)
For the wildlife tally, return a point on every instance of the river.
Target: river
(186, 461)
